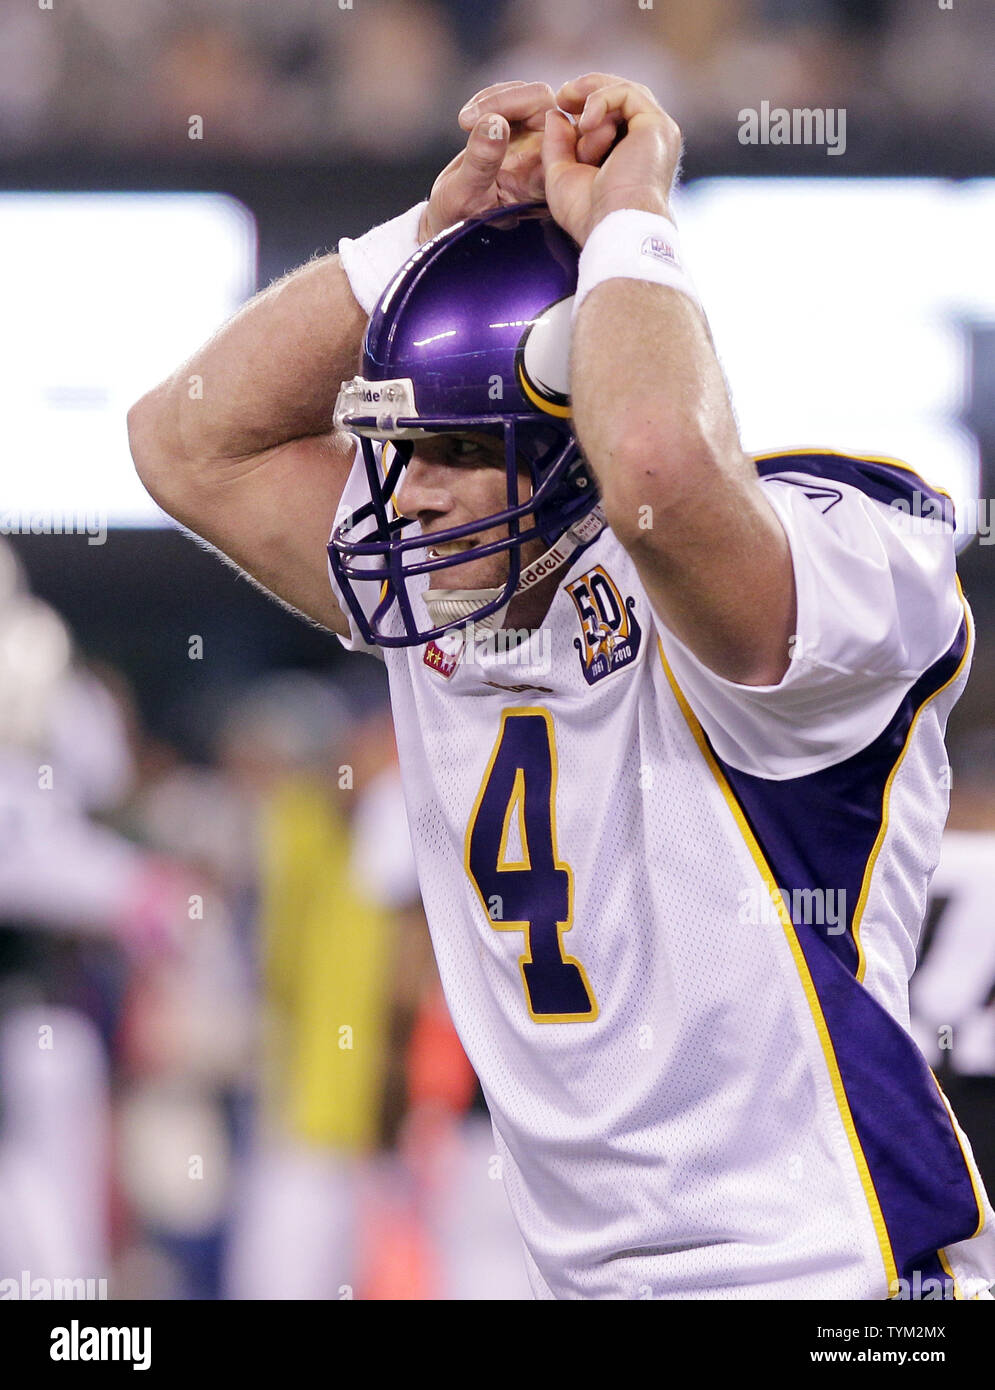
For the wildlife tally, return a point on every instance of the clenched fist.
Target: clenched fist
(638, 172)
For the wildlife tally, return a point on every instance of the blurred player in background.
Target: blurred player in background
(327, 953)
(722, 679)
(952, 993)
(77, 900)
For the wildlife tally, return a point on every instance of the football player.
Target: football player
(669, 717)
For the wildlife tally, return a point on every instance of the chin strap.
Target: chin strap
(459, 605)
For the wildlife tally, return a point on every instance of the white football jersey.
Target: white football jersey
(675, 917)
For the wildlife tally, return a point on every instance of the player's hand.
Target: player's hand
(502, 162)
(639, 171)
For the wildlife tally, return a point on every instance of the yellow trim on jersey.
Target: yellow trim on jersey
(861, 458)
(393, 502)
(525, 927)
(974, 1186)
(942, 1255)
(865, 886)
(801, 965)
(393, 496)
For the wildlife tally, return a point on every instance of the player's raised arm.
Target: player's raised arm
(650, 405)
(238, 443)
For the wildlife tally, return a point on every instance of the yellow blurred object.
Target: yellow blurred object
(327, 953)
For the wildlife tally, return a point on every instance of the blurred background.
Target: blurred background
(226, 1070)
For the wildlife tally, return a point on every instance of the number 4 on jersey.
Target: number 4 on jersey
(534, 892)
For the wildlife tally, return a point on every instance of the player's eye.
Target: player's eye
(466, 448)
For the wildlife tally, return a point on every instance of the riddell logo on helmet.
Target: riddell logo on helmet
(542, 567)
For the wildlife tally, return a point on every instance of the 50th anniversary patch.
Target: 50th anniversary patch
(611, 634)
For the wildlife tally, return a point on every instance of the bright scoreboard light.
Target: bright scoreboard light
(841, 310)
(104, 295)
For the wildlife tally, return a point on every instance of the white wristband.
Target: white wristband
(370, 261)
(630, 244)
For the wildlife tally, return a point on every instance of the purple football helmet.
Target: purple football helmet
(471, 335)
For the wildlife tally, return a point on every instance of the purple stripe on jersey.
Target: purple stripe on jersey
(933, 1283)
(915, 1161)
(845, 801)
(884, 482)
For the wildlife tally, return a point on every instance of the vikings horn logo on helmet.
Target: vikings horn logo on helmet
(542, 360)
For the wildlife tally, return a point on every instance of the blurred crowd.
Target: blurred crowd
(306, 79)
(226, 1068)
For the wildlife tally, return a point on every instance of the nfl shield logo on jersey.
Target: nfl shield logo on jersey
(611, 635)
